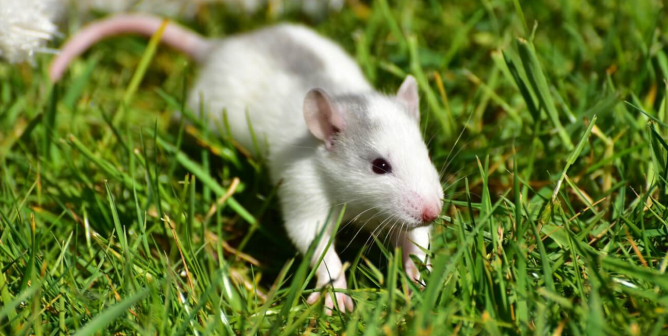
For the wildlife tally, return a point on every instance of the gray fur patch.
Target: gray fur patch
(293, 56)
(356, 103)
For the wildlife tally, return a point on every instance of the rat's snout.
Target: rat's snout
(423, 210)
(430, 212)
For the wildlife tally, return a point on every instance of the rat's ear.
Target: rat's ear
(323, 119)
(408, 95)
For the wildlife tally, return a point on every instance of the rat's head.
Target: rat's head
(374, 156)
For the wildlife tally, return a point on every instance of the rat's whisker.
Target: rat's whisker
(447, 162)
(361, 228)
(391, 226)
(374, 232)
(389, 232)
(379, 229)
(453, 175)
(431, 139)
(400, 233)
(355, 218)
(458, 138)
(445, 188)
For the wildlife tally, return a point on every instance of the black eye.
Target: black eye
(380, 166)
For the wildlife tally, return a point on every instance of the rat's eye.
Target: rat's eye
(380, 166)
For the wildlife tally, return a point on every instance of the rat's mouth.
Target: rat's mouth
(420, 224)
(415, 222)
(412, 222)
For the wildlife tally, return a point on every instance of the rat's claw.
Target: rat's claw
(343, 302)
(348, 303)
(313, 298)
(414, 273)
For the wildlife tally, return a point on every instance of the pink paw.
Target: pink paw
(413, 272)
(343, 301)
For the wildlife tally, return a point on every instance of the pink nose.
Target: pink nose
(430, 213)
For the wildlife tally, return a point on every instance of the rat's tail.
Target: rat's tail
(175, 36)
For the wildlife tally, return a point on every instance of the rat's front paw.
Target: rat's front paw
(343, 301)
(413, 271)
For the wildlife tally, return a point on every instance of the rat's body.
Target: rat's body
(331, 138)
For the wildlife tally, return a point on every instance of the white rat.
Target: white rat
(332, 139)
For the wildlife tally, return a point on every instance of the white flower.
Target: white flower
(25, 27)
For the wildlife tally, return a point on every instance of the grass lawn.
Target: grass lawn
(549, 118)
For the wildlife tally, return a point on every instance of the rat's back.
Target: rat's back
(266, 74)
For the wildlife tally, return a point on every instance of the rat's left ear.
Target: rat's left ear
(323, 119)
(408, 95)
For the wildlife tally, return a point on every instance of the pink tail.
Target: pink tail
(175, 36)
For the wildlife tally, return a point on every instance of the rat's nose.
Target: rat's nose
(430, 213)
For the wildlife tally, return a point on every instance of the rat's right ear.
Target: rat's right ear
(408, 95)
(323, 119)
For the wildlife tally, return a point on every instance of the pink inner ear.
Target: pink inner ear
(408, 95)
(322, 118)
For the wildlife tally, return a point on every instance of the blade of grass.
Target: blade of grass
(99, 322)
(539, 84)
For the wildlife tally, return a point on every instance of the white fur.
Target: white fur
(238, 76)
(240, 79)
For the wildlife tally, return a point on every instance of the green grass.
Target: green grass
(555, 218)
